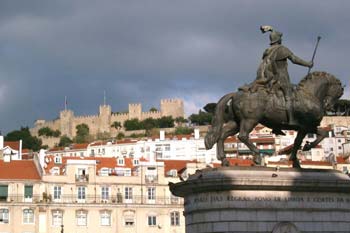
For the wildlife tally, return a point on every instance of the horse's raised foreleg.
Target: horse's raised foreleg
(229, 129)
(246, 126)
(321, 134)
(297, 142)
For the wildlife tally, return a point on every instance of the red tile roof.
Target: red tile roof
(269, 140)
(177, 165)
(79, 146)
(18, 170)
(12, 145)
(342, 160)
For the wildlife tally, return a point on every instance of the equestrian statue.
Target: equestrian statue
(274, 102)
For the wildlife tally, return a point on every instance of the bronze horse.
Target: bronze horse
(313, 96)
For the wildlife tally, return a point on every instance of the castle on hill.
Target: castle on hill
(102, 123)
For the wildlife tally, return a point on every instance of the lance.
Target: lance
(313, 55)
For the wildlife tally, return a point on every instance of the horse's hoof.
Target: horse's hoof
(296, 164)
(257, 160)
(225, 163)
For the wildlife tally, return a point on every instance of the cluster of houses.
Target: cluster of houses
(122, 186)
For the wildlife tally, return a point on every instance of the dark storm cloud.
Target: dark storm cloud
(141, 51)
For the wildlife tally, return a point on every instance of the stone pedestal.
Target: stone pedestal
(259, 199)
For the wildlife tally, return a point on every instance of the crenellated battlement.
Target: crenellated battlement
(102, 122)
(174, 100)
(155, 114)
(86, 117)
(124, 114)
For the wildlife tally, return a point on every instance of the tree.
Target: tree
(117, 125)
(202, 118)
(120, 135)
(82, 133)
(153, 109)
(133, 124)
(180, 121)
(48, 132)
(28, 141)
(65, 141)
(183, 130)
(149, 123)
(342, 107)
(166, 122)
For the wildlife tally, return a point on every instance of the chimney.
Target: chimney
(162, 135)
(1, 141)
(196, 133)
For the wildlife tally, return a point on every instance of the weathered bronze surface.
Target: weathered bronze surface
(274, 102)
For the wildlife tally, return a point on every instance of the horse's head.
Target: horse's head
(324, 86)
(334, 91)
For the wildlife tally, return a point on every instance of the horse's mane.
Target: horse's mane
(317, 75)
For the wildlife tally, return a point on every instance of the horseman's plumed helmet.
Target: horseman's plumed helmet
(275, 36)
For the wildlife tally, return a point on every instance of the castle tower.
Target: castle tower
(172, 107)
(105, 118)
(135, 111)
(66, 123)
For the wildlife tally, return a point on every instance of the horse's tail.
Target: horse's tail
(218, 121)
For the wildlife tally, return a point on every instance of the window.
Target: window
(4, 216)
(105, 218)
(57, 218)
(151, 193)
(58, 159)
(120, 161)
(81, 193)
(55, 171)
(129, 218)
(175, 218)
(104, 193)
(128, 194)
(104, 171)
(136, 162)
(3, 192)
(92, 152)
(81, 216)
(57, 191)
(28, 191)
(28, 216)
(152, 220)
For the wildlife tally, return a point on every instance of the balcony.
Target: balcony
(82, 178)
(114, 199)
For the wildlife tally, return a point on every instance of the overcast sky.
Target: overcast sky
(142, 51)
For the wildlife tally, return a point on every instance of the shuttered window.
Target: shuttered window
(3, 192)
(28, 191)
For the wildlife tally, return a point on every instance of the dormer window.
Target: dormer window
(120, 161)
(104, 171)
(172, 173)
(136, 162)
(58, 159)
(55, 171)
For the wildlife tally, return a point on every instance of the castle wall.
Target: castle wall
(92, 121)
(172, 107)
(101, 123)
(155, 115)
